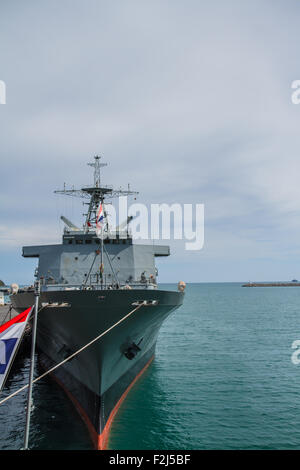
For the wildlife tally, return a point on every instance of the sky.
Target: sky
(189, 101)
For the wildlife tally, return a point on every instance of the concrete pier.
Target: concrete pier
(5, 315)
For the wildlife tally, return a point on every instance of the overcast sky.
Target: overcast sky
(189, 101)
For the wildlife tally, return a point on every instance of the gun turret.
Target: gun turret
(69, 224)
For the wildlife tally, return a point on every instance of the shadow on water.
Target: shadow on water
(55, 424)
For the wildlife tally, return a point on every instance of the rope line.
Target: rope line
(72, 355)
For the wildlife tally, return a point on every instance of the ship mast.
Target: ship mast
(97, 165)
(96, 194)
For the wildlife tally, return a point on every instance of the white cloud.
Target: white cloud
(189, 102)
(16, 237)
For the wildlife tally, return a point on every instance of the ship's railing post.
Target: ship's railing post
(37, 290)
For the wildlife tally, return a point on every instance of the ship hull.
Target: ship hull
(99, 378)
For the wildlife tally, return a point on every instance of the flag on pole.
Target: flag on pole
(11, 334)
(101, 269)
(99, 219)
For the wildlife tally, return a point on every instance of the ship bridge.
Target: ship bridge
(87, 258)
(77, 261)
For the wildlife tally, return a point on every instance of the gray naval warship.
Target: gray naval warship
(88, 285)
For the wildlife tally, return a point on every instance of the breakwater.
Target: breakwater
(272, 284)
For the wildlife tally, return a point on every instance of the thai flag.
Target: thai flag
(11, 334)
(99, 219)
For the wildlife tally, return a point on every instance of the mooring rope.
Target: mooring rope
(72, 355)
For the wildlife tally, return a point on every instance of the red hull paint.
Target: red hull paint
(101, 441)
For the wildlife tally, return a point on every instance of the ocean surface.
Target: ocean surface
(222, 379)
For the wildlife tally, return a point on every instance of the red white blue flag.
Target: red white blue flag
(11, 334)
(99, 219)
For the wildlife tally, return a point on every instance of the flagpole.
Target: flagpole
(99, 226)
(37, 289)
(101, 266)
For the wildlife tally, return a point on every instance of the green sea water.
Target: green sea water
(222, 379)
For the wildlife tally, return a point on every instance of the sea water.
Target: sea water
(222, 378)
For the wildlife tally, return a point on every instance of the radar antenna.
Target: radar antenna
(96, 193)
(97, 165)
